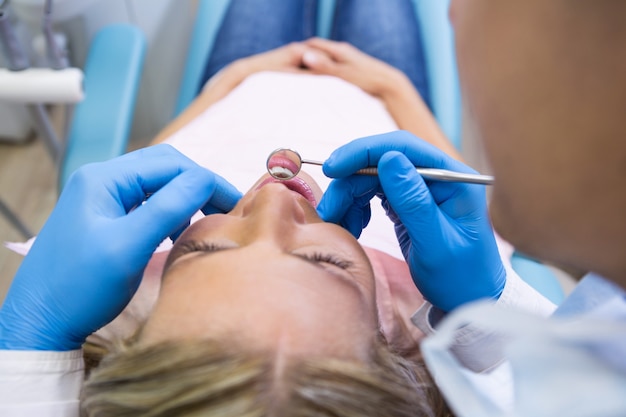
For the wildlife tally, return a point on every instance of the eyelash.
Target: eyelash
(199, 246)
(328, 258)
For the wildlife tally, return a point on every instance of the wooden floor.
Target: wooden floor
(28, 186)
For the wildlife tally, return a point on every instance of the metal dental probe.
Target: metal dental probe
(429, 173)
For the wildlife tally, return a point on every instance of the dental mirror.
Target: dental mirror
(284, 164)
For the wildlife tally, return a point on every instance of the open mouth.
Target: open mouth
(296, 184)
(282, 167)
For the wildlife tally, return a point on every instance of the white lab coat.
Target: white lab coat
(572, 364)
(37, 383)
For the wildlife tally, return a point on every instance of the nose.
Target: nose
(273, 213)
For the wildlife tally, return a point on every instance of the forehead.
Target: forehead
(250, 297)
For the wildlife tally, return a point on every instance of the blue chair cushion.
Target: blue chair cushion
(101, 123)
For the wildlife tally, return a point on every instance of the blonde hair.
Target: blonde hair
(210, 378)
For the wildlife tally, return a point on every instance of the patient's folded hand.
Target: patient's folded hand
(286, 58)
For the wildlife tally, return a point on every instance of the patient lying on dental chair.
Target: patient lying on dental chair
(267, 309)
(332, 298)
(241, 306)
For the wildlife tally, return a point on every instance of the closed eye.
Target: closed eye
(314, 257)
(318, 257)
(199, 246)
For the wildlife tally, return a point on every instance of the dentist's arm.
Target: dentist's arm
(443, 228)
(87, 261)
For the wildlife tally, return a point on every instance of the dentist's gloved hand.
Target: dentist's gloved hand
(88, 260)
(442, 227)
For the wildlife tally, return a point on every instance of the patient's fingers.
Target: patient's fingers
(336, 50)
(169, 208)
(319, 62)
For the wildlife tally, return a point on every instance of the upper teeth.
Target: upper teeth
(281, 172)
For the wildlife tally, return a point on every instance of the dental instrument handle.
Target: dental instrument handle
(311, 162)
(429, 173)
(441, 175)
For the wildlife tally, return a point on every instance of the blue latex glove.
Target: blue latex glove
(88, 259)
(442, 227)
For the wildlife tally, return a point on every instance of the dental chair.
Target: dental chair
(443, 82)
(100, 124)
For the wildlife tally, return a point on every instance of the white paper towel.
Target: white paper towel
(42, 85)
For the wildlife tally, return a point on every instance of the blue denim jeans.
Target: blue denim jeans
(385, 29)
(254, 26)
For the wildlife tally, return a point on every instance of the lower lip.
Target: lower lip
(296, 184)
